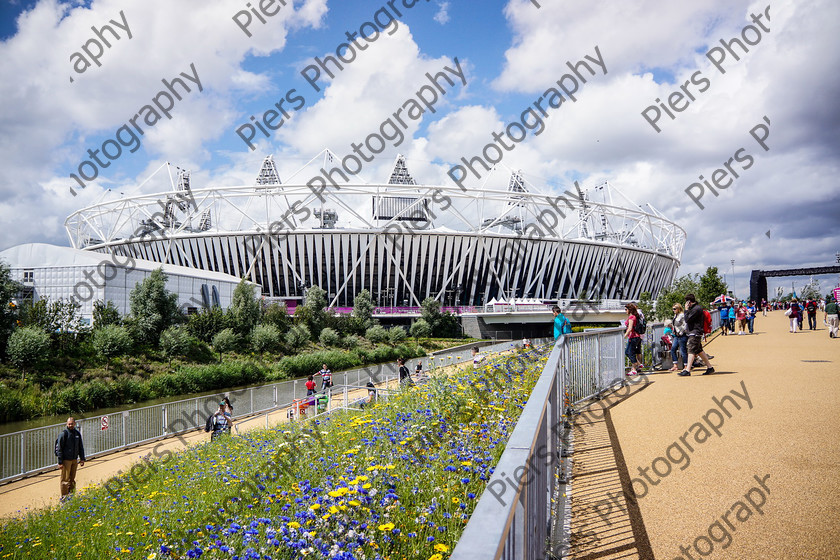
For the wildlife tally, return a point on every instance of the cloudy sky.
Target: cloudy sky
(57, 103)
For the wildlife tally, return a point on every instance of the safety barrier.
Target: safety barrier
(30, 452)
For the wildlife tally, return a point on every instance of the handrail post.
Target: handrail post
(22, 453)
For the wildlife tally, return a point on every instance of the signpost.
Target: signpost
(104, 425)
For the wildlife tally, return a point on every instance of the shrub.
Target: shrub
(265, 338)
(420, 329)
(298, 336)
(376, 334)
(207, 323)
(225, 341)
(396, 335)
(175, 342)
(310, 362)
(351, 341)
(111, 341)
(329, 337)
(28, 347)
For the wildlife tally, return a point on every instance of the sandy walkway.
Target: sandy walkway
(790, 434)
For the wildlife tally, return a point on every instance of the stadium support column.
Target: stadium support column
(758, 286)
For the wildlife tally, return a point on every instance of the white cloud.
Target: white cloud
(442, 15)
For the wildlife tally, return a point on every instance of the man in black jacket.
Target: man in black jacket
(69, 449)
(694, 318)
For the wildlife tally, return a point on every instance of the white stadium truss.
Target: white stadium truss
(401, 240)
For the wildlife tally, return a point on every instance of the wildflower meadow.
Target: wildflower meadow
(397, 480)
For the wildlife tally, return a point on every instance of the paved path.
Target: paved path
(36, 492)
(707, 499)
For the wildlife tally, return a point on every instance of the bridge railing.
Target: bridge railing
(514, 522)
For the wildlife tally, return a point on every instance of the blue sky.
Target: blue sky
(511, 51)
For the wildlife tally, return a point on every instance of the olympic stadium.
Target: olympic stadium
(403, 240)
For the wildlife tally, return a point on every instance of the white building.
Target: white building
(50, 271)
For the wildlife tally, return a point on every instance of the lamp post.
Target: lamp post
(732, 262)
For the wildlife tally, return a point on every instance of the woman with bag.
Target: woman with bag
(794, 313)
(680, 339)
(634, 340)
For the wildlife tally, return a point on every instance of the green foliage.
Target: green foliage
(61, 319)
(225, 341)
(278, 316)
(675, 293)
(265, 338)
(207, 323)
(711, 285)
(376, 334)
(351, 341)
(175, 342)
(298, 336)
(310, 362)
(28, 346)
(442, 324)
(646, 305)
(105, 314)
(244, 310)
(329, 337)
(396, 335)
(420, 329)
(8, 312)
(153, 308)
(111, 341)
(312, 313)
(363, 310)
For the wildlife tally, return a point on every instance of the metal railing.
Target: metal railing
(30, 452)
(517, 524)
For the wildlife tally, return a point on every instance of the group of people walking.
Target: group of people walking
(740, 315)
(797, 311)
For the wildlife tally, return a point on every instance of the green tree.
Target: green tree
(8, 310)
(646, 305)
(376, 334)
(363, 310)
(265, 338)
(420, 329)
(244, 310)
(278, 316)
(153, 308)
(207, 323)
(298, 336)
(28, 346)
(329, 337)
(175, 341)
(105, 314)
(396, 335)
(111, 341)
(675, 293)
(225, 341)
(313, 313)
(711, 285)
(443, 325)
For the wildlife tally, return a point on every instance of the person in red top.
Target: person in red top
(634, 340)
(310, 386)
(741, 315)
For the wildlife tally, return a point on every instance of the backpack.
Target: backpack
(56, 445)
(707, 321)
(640, 326)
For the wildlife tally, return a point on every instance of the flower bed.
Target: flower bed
(398, 481)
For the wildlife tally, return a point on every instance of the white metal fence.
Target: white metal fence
(517, 525)
(31, 451)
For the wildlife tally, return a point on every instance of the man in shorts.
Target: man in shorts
(694, 328)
